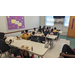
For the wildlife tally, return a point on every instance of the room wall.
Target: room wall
(59, 26)
(30, 22)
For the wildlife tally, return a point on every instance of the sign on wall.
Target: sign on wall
(15, 22)
(73, 21)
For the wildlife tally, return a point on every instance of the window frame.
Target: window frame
(68, 21)
(49, 21)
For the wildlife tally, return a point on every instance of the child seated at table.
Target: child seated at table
(35, 31)
(38, 32)
(41, 31)
(21, 54)
(22, 34)
(44, 29)
(25, 54)
(49, 29)
(26, 35)
(51, 33)
(54, 29)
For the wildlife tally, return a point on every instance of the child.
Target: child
(54, 29)
(22, 34)
(35, 31)
(49, 29)
(51, 33)
(25, 54)
(42, 31)
(38, 32)
(26, 35)
(39, 29)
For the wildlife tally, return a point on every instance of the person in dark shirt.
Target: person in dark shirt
(3, 46)
(67, 51)
(43, 29)
(39, 29)
(2, 36)
(47, 30)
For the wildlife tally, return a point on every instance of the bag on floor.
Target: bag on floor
(46, 45)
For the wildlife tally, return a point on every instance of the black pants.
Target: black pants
(68, 50)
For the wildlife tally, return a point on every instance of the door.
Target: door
(71, 28)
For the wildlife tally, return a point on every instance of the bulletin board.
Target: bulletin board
(15, 22)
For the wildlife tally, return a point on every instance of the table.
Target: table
(38, 34)
(38, 48)
(51, 36)
(51, 39)
(60, 32)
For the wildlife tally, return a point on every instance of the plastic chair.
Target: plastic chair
(56, 33)
(1, 35)
(34, 38)
(1, 53)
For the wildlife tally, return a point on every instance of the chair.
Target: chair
(56, 33)
(4, 53)
(1, 35)
(34, 38)
(42, 39)
(58, 30)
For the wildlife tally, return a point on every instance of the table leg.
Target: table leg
(51, 43)
(38, 56)
(41, 56)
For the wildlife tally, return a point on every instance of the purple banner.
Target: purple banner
(15, 22)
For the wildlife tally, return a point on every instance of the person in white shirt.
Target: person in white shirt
(42, 31)
(49, 29)
(35, 31)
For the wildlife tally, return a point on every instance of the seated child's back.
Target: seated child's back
(55, 30)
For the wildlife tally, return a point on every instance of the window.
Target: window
(49, 21)
(66, 21)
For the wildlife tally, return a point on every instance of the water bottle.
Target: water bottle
(32, 48)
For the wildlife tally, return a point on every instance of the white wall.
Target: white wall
(30, 22)
(59, 26)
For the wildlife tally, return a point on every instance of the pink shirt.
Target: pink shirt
(47, 30)
(51, 33)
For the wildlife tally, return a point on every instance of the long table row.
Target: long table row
(36, 48)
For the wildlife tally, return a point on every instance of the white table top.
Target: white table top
(51, 36)
(38, 34)
(38, 48)
(60, 32)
